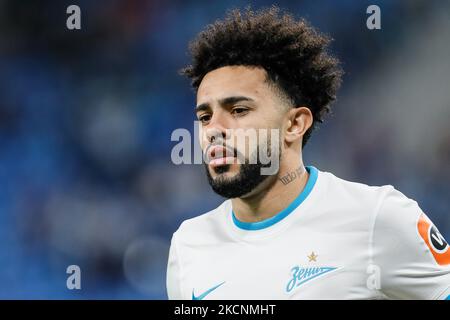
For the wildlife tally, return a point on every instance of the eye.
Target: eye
(239, 111)
(204, 118)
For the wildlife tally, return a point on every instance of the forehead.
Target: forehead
(231, 81)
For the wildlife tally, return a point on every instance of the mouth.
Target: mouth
(219, 156)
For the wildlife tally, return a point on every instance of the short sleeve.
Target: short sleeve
(413, 258)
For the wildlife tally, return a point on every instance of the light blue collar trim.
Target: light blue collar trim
(313, 173)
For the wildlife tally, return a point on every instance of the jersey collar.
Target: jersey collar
(313, 173)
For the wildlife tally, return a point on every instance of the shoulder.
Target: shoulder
(389, 210)
(205, 227)
(356, 194)
(396, 207)
(379, 207)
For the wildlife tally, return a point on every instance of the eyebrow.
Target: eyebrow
(224, 101)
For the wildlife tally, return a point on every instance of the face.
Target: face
(235, 107)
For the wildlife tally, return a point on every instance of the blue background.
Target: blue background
(86, 117)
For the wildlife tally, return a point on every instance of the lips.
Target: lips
(220, 155)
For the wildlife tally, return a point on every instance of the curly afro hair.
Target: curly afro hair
(292, 52)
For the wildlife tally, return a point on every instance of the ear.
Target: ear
(299, 121)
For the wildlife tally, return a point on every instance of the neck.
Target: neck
(274, 195)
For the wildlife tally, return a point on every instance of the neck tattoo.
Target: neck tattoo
(290, 176)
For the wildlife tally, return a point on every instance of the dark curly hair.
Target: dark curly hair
(293, 54)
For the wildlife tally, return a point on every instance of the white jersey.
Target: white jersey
(336, 240)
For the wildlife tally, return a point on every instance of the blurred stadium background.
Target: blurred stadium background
(86, 118)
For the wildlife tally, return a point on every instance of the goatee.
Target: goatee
(247, 179)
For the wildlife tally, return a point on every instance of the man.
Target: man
(298, 233)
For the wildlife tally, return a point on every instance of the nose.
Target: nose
(216, 131)
(215, 135)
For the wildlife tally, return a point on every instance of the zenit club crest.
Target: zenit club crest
(302, 275)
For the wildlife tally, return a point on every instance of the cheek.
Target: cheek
(244, 141)
(202, 137)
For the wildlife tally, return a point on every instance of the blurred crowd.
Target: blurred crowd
(86, 118)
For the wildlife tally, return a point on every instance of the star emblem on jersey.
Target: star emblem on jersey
(312, 257)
